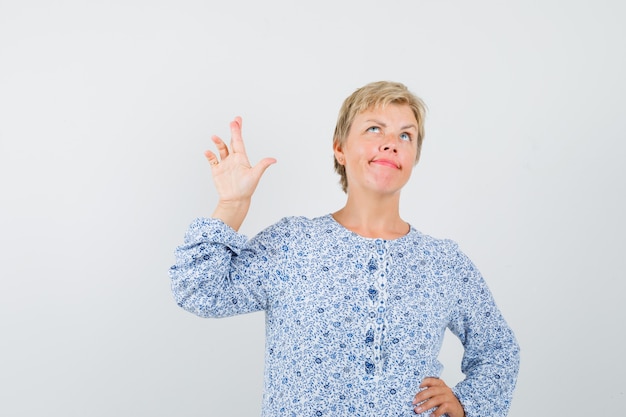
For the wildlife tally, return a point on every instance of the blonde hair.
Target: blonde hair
(376, 95)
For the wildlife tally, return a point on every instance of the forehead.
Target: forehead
(390, 113)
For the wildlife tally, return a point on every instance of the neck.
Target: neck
(373, 216)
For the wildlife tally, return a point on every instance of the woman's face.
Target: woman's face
(380, 150)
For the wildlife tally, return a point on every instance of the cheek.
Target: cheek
(359, 154)
(413, 155)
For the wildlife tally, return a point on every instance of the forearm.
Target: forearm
(488, 389)
(491, 366)
(202, 277)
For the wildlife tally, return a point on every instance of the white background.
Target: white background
(107, 107)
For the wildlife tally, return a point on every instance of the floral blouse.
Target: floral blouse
(353, 324)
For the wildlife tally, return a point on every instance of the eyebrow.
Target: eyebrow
(385, 125)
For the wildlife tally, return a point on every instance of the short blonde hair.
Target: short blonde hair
(375, 95)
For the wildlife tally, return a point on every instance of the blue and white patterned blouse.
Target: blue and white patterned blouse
(353, 324)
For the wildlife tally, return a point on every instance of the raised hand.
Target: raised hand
(435, 393)
(235, 179)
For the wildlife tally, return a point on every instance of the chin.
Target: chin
(388, 189)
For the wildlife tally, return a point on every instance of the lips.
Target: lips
(385, 162)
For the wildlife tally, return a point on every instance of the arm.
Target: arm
(491, 352)
(219, 273)
(212, 275)
(491, 358)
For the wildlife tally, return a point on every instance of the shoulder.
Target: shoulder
(287, 234)
(432, 245)
(444, 253)
(292, 228)
(297, 224)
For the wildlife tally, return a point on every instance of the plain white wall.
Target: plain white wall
(106, 108)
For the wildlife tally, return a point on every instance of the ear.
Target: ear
(339, 156)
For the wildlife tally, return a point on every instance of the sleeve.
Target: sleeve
(217, 272)
(491, 352)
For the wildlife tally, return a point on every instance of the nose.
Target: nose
(389, 143)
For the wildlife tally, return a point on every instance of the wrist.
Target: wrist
(232, 212)
(233, 205)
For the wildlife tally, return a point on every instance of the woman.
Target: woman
(356, 302)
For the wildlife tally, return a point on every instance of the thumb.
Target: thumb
(263, 165)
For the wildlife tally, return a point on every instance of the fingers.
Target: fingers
(436, 394)
(427, 399)
(435, 401)
(221, 146)
(236, 141)
(211, 157)
(432, 381)
(237, 147)
(431, 388)
(429, 384)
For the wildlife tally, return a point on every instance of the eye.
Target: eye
(405, 136)
(374, 129)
